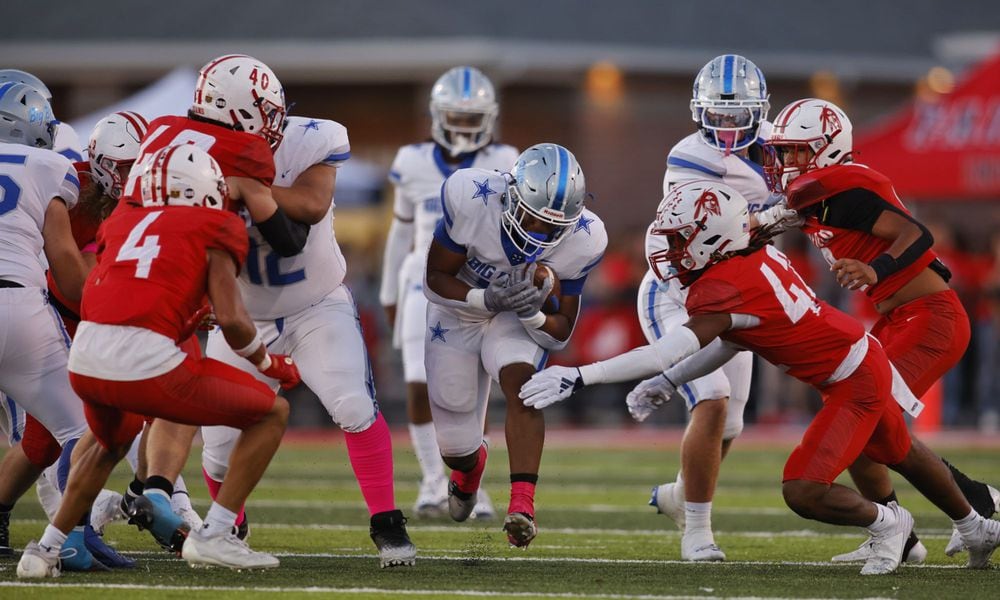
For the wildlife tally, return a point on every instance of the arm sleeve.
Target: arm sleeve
(397, 246)
(701, 363)
(675, 345)
(286, 236)
(69, 188)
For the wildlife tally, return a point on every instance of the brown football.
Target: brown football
(551, 304)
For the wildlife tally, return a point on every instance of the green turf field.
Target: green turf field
(598, 539)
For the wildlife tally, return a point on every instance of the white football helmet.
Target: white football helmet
(19, 76)
(546, 185)
(182, 175)
(729, 101)
(114, 146)
(25, 116)
(241, 92)
(808, 134)
(700, 222)
(463, 110)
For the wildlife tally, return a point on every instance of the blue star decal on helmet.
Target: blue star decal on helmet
(312, 124)
(437, 332)
(583, 224)
(483, 190)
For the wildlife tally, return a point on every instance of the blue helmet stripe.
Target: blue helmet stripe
(727, 74)
(6, 86)
(466, 83)
(562, 170)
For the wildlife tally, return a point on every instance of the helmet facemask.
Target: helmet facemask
(729, 102)
(461, 130)
(519, 222)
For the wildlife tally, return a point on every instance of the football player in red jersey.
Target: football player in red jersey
(169, 256)
(853, 215)
(746, 295)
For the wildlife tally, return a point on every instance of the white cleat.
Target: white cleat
(224, 550)
(483, 510)
(190, 517)
(38, 562)
(432, 499)
(955, 544)
(916, 556)
(669, 500)
(887, 546)
(701, 547)
(106, 509)
(982, 543)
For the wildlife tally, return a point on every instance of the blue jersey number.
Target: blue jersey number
(272, 269)
(10, 193)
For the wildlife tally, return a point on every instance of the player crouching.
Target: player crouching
(164, 258)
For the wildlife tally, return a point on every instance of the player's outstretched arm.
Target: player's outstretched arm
(286, 236)
(309, 197)
(558, 383)
(67, 264)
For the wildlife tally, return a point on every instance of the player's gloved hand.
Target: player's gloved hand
(649, 395)
(204, 320)
(549, 386)
(501, 297)
(282, 368)
(778, 218)
(533, 303)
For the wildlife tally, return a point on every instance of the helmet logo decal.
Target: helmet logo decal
(707, 202)
(829, 121)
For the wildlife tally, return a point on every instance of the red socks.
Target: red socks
(522, 498)
(213, 491)
(468, 482)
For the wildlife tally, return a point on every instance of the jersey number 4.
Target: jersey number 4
(796, 300)
(145, 252)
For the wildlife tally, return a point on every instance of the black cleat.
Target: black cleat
(153, 513)
(388, 531)
(5, 550)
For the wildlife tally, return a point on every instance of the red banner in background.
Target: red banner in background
(948, 149)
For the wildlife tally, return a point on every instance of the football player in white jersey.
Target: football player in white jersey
(463, 111)
(37, 189)
(66, 141)
(729, 104)
(302, 307)
(484, 320)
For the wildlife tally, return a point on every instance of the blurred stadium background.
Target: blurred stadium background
(611, 81)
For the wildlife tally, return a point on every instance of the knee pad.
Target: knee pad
(733, 428)
(354, 414)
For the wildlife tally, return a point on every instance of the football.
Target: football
(551, 304)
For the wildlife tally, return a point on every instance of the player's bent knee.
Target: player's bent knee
(462, 463)
(215, 468)
(732, 429)
(355, 414)
(280, 410)
(801, 496)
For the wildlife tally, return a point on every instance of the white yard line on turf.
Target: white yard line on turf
(360, 590)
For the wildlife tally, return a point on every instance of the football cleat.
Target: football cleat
(460, 504)
(5, 549)
(191, 518)
(224, 550)
(955, 544)
(388, 531)
(915, 555)
(520, 529)
(887, 546)
(152, 511)
(76, 556)
(701, 547)
(106, 509)
(38, 561)
(982, 543)
(669, 500)
(104, 553)
(483, 510)
(432, 499)
(242, 530)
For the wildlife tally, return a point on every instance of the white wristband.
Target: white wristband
(534, 321)
(265, 363)
(476, 298)
(250, 348)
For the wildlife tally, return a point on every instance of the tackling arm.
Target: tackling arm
(286, 236)
(701, 363)
(309, 197)
(69, 270)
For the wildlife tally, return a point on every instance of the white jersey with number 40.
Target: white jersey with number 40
(275, 286)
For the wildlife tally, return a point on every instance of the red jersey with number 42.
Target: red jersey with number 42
(239, 154)
(152, 269)
(835, 243)
(793, 330)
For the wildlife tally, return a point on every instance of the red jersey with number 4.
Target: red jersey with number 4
(153, 265)
(239, 154)
(823, 185)
(793, 329)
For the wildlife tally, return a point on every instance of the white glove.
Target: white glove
(500, 297)
(778, 218)
(550, 386)
(648, 395)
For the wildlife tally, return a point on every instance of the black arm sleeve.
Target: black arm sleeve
(286, 237)
(859, 209)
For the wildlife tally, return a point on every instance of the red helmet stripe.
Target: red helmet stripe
(207, 68)
(163, 171)
(787, 112)
(137, 121)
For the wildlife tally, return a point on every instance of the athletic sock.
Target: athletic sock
(967, 525)
(976, 492)
(426, 448)
(53, 538)
(213, 490)
(883, 520)
(468, 481)
(697, 517)
(370, 452)
(522, 493)
(219, 520)
(160, 484)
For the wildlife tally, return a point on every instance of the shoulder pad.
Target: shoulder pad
(816, 186)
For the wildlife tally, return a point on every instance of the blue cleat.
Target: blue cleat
(152, 511)
(103, 553)
(76, 557)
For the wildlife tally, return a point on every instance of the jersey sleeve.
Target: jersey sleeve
(252, 158)
(228, 233)
(338, 146)
(711, 296)
(585, 248)
(452, 231)
(691, 160)
(403, 205)
(69, 187)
